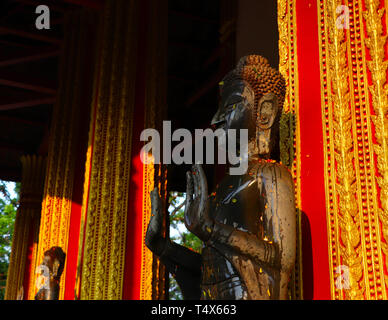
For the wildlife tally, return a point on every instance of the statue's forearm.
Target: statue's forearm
(181, 257)
(245, 243)
(185, 266)
(173, 255)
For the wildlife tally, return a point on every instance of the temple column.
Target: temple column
(289, 133)
(25, 237)
(353, 73)
(129, 96)
(61, 208)
(333, 56)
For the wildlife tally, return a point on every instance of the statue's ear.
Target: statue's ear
(56, 265)
(267, 111)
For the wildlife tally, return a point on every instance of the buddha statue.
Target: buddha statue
(247, 224)
(49, 274)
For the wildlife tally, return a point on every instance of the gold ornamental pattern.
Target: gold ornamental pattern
(155, 109)
(363, 154)
(355, 126)
(290, 145)
(343, 216)
(106, 203)
(58, 191)
(377, 65)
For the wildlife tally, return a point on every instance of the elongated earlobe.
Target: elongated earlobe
(55, 267)
(267, 111)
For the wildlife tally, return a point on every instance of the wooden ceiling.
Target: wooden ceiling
(28, 78)
(29, 61)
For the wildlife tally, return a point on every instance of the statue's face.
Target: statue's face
(47, 261)
(236, 111)
(236, 107)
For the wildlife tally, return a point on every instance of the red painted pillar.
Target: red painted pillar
(315, 258)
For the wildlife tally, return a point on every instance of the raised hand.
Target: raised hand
(197, 218)
(154, 239)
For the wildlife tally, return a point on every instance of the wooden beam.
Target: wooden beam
(93, 4)
(22, 121)
(8, 146)
(177, 78)
(194, 17)
(25, 104)
(44, 144)
(29, 58)
(30, 35)
(9, 13)
(57, 21)
(215, 55)
(27, 86)
(15, 44)
(210, 84)
(10, 174)
(188, 45)
(51, 5)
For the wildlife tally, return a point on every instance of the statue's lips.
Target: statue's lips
(264, 121)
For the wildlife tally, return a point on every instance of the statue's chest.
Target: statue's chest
(237, 202)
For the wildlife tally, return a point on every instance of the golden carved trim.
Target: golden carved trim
(58, 194)
(158, 269)
(155, 106)
(95, 147)
(366, 191)
(108, 211)
(376, 41)
(344, 220)
(146, 263)
(327, 125)
(288, 67)
(365, 228)
(27, 218)
(85, 198)
(106, 202)
(88, 172)
(34, 261)
(17, 260)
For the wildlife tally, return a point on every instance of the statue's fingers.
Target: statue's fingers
(155, 200)
(202, 180)
(197, 185)
(189, 189)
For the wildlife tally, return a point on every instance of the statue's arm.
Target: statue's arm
(281, 216)
(279, 249)
(182, 263)
(224, 237)
(162, 246)
(233, 241)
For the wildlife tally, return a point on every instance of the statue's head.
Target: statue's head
(54, 259)
(252, 97)
(49, 274)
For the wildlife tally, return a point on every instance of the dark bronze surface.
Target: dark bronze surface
(248, 223)
(54, 261)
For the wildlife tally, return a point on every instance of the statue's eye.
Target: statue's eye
(235, 99)
(233, 102)
(230, 107)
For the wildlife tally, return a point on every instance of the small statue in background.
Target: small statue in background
(20, 294)
(248, 224)
(49, 274)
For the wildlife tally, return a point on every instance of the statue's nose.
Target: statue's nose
(218, 117)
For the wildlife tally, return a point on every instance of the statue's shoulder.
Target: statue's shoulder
(274, 172)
